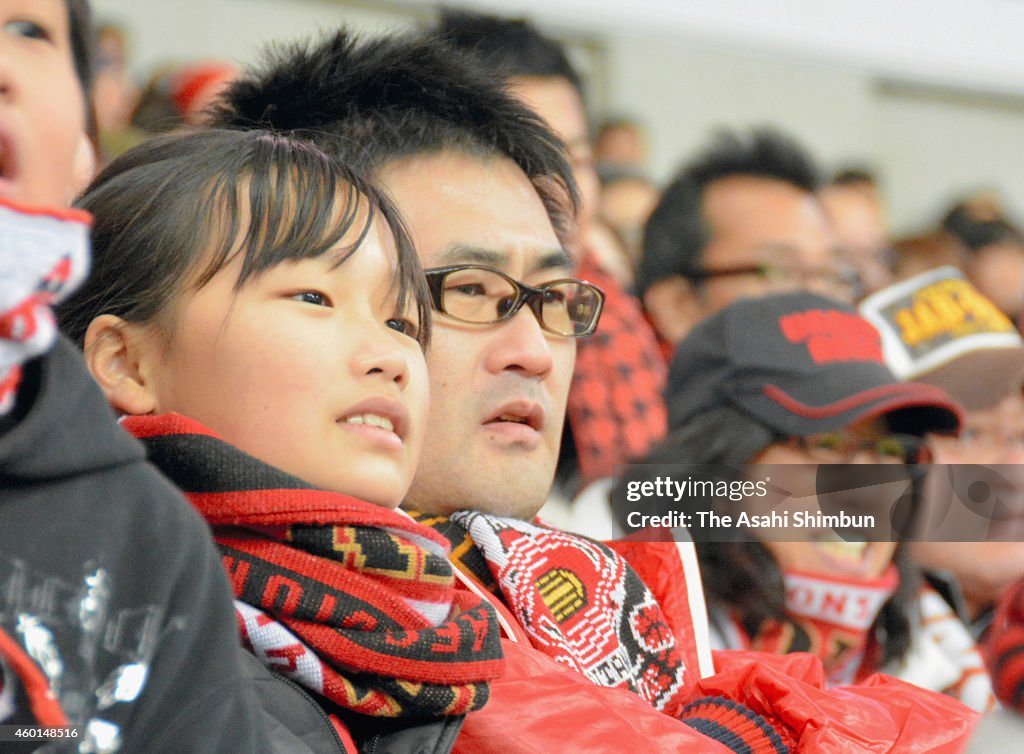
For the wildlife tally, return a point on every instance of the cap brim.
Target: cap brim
(921, 409)
(980, 379)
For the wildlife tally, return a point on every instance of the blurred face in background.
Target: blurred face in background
(998, 271)
(622, 144)
(859, 223)
(992, 439)
(767, 236)
(625, 206)
(825, 553)
(557, 101)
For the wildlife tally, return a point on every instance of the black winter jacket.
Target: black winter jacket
(110, 581)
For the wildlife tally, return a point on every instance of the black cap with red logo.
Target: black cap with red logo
(800, 364)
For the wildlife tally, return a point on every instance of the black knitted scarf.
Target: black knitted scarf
(353, 601)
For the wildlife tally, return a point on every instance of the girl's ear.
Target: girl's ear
(113, 351)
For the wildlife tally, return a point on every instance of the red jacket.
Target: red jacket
(538, 705)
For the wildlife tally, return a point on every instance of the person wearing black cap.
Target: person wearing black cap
(800, 379)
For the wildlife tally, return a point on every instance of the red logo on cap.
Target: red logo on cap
(833, 336)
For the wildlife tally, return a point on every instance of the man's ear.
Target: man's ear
(113, 351)
(673, 304)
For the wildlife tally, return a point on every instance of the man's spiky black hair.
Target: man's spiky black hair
(677, 233)
(512, 46)
(371, 102)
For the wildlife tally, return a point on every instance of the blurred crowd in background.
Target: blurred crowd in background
(977, 233)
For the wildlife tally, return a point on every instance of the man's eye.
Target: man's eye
(403, 326)
(554, 296)
(312, 297)
(28, 29)
(467, 289)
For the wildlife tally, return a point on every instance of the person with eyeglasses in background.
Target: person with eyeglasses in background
(792, 389)
(739, 219)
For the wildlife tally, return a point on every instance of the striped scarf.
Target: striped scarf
(45, 256)
(353, 601)
(831, 617)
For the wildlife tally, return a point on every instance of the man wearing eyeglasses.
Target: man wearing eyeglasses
(739, 220)
(499, 377)
(615, 409)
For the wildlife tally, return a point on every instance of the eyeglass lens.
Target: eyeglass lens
(478, 295)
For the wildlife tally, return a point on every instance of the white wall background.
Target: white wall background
(812, 67)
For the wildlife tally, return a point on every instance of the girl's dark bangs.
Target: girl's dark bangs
(299, 207)
(294, 202)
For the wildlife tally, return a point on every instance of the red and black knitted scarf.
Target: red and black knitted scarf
(578, 600)
(616, 410)
(353, 601)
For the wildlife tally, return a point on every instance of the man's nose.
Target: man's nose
(522, 346)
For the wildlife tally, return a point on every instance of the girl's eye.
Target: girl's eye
(29, 30)
(312, 297)
(403, 326)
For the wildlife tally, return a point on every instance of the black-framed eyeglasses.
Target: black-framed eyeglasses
(482, 295)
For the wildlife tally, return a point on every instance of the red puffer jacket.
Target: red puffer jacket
(539, 705)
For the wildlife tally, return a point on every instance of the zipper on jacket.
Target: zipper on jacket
(320, 710)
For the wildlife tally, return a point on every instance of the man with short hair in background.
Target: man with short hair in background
(740, 219)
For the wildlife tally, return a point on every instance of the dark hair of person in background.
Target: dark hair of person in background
(212, 193)
(80, 30)
(83, 53)
(677, 232)
(155, 112)
(854, 176)
(976, 233)
(742, 577)
(512, 46)
(371, 102)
